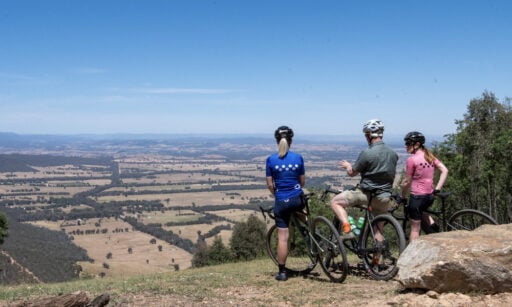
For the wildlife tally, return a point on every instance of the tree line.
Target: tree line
(478, 158)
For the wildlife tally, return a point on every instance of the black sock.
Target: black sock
(281, 268)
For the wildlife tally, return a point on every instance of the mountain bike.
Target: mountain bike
(311, 241)
(379, 257)
(464, 219)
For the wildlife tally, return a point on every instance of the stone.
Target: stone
(459, 261)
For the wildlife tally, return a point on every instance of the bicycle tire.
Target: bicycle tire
(330, 250)
(385, 254)
(299, 260)
(469, 219)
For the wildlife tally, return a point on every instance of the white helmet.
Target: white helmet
(374, 128)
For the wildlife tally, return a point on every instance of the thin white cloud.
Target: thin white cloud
(172, 90)
(90, 70)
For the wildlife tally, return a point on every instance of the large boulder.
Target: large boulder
(460, 261)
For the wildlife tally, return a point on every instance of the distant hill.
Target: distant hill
(49, 141)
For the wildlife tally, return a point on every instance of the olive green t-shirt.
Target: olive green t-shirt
(377, 166)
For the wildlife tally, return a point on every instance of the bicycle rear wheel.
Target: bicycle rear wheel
(469, 219)
(299, 260)
(380, 258)
(330, 249)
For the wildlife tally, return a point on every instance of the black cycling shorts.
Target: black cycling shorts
(418, 204)
(283, 209)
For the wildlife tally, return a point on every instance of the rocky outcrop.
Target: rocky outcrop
(460, 261)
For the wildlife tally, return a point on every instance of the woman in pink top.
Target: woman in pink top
(419, 179)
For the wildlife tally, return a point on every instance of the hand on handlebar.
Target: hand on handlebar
(400, 200)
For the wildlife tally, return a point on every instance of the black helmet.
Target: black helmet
(413, 137)
(283, 132)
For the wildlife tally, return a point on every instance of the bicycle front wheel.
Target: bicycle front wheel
(299, 260)
(330, 249)
(469, 219)
(380, 257)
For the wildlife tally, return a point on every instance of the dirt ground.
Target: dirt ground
(365, 296)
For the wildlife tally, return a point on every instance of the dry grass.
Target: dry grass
(237, 284)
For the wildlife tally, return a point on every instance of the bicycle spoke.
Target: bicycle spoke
(380, 257)
(330, 249)
(299, 259)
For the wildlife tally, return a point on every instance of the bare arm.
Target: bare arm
(346, 165)
(442, 178)
(270, 185)
(302, 180)
(405, 186)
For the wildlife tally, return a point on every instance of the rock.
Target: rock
(460, 261)
(75, 299)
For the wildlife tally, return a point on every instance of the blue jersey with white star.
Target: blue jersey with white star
(286, 172)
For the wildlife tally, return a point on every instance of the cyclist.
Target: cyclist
(419, 179)
(285, 175)
(377, 167)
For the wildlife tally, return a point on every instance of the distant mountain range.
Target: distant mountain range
(53, 141)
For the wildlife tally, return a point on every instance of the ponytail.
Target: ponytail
(429, 156)
(283, 147)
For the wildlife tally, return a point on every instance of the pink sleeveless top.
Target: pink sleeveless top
(422, 173)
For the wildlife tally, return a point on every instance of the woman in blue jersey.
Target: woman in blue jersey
(285, 179)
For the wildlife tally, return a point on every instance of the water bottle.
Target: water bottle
(355, 230)
(360, 222)
(351, 221)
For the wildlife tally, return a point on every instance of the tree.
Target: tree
(200, 257)
(477, 156)
(3, 227)
(248, 239)
(218, 253)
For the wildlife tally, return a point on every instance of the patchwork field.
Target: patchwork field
(186, 195)
(131, 251)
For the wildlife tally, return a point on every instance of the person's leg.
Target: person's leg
(282, 252)
(415, 229)
(338, 204)
(428, 221)
(379, 237)
(282, 245)
(380, 205)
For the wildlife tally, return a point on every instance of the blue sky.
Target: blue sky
(321, 67)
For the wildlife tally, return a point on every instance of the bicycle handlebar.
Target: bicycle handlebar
(269, 211)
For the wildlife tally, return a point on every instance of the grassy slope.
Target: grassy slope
(247, 283)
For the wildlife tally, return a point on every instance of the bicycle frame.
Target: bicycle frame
(303, 226)
(358, 248)
(463, 219)
(318, 242)
(379, 256)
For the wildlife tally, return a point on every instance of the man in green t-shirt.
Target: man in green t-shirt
(377, 167)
